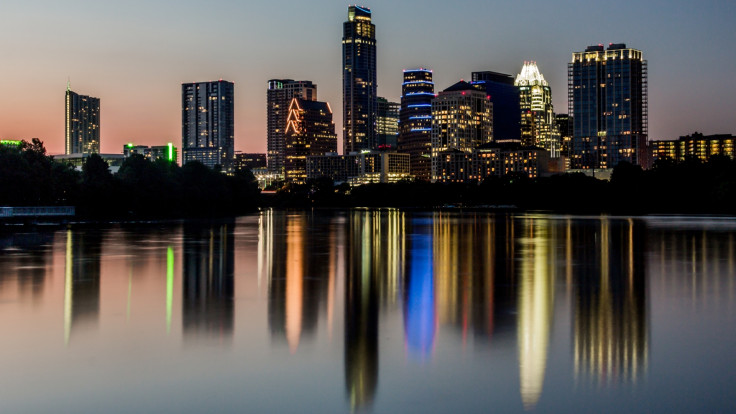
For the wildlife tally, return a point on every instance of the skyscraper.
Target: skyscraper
(309, 131)
(537, 117)
(207, 123)
(505, 99)
(82, 123)
(278, 97)
(359, 80)
(387, 124)
(607, 101)
(462, 120)
(415, 120)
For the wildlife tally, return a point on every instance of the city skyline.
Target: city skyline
(119, 65)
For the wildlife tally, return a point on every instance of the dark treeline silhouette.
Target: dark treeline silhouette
(688, 187)
(140, 189)
(161, 189)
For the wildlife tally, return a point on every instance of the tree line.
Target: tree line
(140, 189)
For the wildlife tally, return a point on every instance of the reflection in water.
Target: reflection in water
(81, 280)
(420, 318)
(369, 265)
(208, 285)
(536, 305)
(30, 266)
(299, 257)
(610, 320)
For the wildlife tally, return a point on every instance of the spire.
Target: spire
(68, 84)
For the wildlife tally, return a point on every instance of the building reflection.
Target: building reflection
(81, 280)
(299, 255)
(30, 264)
(474, 274)
(374, 260)
(537, 241)
(610, 301)
(420, 316)
(208, 281)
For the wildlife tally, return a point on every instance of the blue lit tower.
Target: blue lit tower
(415, 121)
(207, 123)
(607, 102)
(359, 80)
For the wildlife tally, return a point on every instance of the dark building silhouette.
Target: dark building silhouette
(415, 121)
(207, 123)
(208, 281)
(279, 94)
(505, 99)
(607, 100)
(359, 81)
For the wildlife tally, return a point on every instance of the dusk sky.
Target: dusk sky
(134, 55)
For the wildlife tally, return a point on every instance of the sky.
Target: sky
(134, 55)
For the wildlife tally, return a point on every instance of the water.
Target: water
(374, 311)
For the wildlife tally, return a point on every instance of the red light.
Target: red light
(463, 93)
(488, 97)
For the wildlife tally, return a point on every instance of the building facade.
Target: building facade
(207, 123)
(82, 123)
(504, 96)
(279, 94)
(462, 119)
(415, 121)
(537, 114)
(607, 101)
(387, 124)
(696, 145)
(309, 131)
(360, 168)
(166, 152)
(359, 81)
(492, 160)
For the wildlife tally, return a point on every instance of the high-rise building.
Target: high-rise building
(359, 85)
(564, 127)
(462, 120)
(415, 121)
(309, 131)
(207, 123)
(607, 100)
(504, 96)
(537, 115)
(278, 97)
(82, 126)
(387, 124)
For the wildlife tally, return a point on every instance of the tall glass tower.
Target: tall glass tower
(207, 123)
(359, 86)
(537, 117)
(415, 121)
(82, 123)
(607, 102)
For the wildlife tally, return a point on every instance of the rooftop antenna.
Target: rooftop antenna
(68, 84)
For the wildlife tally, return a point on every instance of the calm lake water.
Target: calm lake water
(380, 311)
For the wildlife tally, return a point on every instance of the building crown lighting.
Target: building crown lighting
(530, 75)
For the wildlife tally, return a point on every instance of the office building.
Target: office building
(504, 96)
(387, 124)
(564, 128)
(207, 123)
(166, 152)
(359, 81)
(537, 115)
(279, 94)
(309, 131)
(696, 145)
(249, 160)
(360, 168)
(607, 101)
(492, 160)
(462, 119)
(82, 123)
(415, 116)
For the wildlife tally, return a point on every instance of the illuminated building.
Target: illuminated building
(387, 124)
(607, 100)
(696, 145)
(11, 142)
(505, 99)
(564, 128)
(250, 161)
(415, 116)
(166, 152)
(535, 100)
(359, 81)
(207, 123)
(492, 160)
(462, 119)
(309, 131)
(82, 123)
(360, 168)
(278, 97)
